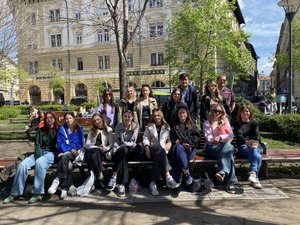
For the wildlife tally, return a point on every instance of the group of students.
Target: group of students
(169, 139)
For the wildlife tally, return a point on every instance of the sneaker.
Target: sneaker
(230, 188)
(188, 179)
(112, 184)
(252, 176)
(171, 183)
(176, 191)
(153, 189)
(63, 194)
(99, 184)
(9, 199)
(35, 198)
(121, 191)
(256, 184)
(220, 176)
(72, 191)
(53, 188)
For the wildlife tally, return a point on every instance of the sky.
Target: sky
(263, 21)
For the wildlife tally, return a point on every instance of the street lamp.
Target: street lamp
(290, 7)
(68, 75)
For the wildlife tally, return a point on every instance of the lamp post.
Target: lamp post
(290, 7)
(68, 74)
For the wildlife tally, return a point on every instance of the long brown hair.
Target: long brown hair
(241, 108)
(95, 128)
(55, 125)
(76, 126)
(189, 121)
(207, 91)
(150, 91)
(111, 102)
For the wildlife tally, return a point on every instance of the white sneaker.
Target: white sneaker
(256, 184)
(72, 191)
(252, 176)
(63, 194)
(121, 191)
(112, 184)
(53, 188)
(171, 183)
(153, 189)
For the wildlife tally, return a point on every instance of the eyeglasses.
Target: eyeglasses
(212, 85)
(217, 111)
(108, 94)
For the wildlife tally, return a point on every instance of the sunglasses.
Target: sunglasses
(217, 111)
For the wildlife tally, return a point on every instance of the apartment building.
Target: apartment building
(68, 41)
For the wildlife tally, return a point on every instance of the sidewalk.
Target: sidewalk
(277, 203)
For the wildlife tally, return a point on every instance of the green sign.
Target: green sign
(145, 72)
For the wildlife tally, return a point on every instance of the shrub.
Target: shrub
(287, 126)
(9, 112)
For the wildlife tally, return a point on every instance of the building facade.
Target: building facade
(280, 73)
(67, 40)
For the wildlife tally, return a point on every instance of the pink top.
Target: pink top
(224, 131)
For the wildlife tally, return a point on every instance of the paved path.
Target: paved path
(277, 203)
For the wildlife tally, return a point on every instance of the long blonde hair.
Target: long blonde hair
(222, 118)
(217, 92)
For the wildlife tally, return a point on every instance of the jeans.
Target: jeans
(224, 154)
(180, 160)
(41, 166)
(253, 155)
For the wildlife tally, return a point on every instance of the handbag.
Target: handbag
(87, 187)
(196, 185)
(80, 157)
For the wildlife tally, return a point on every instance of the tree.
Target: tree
(124, 22)
(9, 42)
(201, 35)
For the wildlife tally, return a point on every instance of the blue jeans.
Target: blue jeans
(253, 155)
(180, 160)
(224, 154)
(41, 166)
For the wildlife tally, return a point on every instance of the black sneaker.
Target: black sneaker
(176, 191)
(230, 188)
(99, 184)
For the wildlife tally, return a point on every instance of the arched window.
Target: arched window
(81, 90)
(35, 95)
(158, 84)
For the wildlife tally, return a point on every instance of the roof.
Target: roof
(238, 13)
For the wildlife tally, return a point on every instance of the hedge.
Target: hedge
(287, 126)
(9, 112)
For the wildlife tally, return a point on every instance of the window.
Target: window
(104, 62)
(54, 15)
(158, 84)
(79, 63)
(58, 64)
(155, 3)
(129, 5)
(33, 67)
(129, 60)
(103, 35)
(55, 40)
(101, 10)
(156, 29)
(79, 38)
(32, 19)
(77, 15)
(156, 59)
